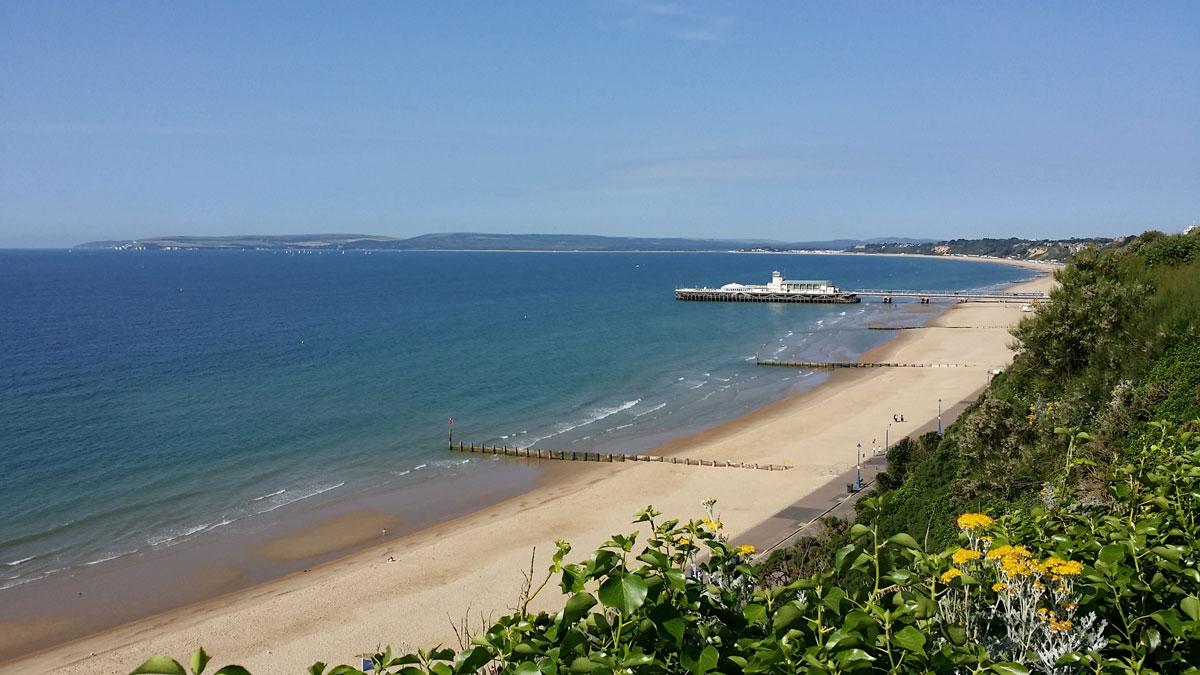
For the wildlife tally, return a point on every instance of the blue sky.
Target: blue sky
(789, 120)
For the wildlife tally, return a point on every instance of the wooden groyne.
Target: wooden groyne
(577, 456)
(857, 364)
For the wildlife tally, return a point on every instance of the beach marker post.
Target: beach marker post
(939, 417)
(858, 468)
(450, 431)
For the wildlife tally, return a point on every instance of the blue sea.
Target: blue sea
(153, 398)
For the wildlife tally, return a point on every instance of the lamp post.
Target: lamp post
(886, 432)
(858, 469)
(939, 417)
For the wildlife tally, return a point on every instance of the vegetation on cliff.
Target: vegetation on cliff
(1020, 249)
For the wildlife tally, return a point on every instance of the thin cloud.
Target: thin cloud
(678, 20)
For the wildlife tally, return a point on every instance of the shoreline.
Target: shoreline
(187, 625)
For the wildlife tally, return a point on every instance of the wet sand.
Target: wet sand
(473, 563)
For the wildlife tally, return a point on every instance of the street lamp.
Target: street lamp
(858, 469)
(939, 417)
(886, 443)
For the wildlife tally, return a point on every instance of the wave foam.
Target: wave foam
(277, 492)
(291, 498)
(597, 415)
(180, 533)
(107, 558)
(656, 408)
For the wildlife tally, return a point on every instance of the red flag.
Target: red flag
(451, 422)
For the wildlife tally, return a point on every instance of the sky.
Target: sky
(794, 121)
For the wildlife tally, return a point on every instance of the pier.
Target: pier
(824, 365)
(778, 290)
(824, 292)
(719, 295)
(924, 297)
(577, 456)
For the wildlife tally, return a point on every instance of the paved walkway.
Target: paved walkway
(804, 516)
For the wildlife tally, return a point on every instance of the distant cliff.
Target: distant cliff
(464, 241)
(1020, 249)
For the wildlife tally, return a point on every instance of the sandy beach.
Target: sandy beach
(408, 591)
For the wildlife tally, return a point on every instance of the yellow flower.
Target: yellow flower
(711, 524)
(951, 574)
(963, 555)
(1060, 626)
(1066, 568)
(683, 541)
(999, 552)
(999, 586)
(745, 551)
(971, 521)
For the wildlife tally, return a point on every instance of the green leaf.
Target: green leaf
(904, 539)
(676, 578)
(1112, 553)
(472, 660)
(576, 607)
(654, 558)
(851, 658)
(527, 668)
(754, 612)
(637, 658)
(317, 668)
(788, 616)
(232, 670)
(160, 665)
(699, 662)
(624, 594)
(911, 639)
(708, 660)
(1191, 606)
(582, 665)
(670, 620)
(199, 661)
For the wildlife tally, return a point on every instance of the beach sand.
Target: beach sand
(408, 591)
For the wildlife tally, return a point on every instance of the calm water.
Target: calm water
(152, 398)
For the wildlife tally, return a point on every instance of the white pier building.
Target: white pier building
(779, 290)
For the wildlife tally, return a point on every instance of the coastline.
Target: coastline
(474, 560)
(1043, 266)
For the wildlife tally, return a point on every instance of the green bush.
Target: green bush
(1061, 588)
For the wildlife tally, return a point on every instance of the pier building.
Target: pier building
(778, 290)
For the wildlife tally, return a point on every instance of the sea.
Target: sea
(154, 398)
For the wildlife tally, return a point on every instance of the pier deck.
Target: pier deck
(858, 364)
(961, 296)
(718, 295)
(577, 456)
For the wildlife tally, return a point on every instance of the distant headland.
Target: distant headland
(1013, 248)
